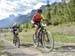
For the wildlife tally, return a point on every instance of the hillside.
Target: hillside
(20, 19)
(59, 13)
(64, 29)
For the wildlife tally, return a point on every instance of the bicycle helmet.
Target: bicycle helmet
(39, 10)
(15, 24)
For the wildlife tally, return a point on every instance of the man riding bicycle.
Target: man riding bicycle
(37, 19)
(15, 31)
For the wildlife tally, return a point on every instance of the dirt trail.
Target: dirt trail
(22, 51)
(30, 51)
(63, 50)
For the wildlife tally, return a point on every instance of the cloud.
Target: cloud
(58, 1)
(8, 7)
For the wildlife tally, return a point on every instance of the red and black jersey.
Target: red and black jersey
(37, 17)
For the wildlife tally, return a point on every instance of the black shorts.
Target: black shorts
(37, 23)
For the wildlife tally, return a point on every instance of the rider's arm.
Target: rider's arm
(32, 21)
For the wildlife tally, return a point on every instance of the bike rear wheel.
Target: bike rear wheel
(35, 40)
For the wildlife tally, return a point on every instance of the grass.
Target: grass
(64, 38)
(9, 36)
(5, 54)
(59, 37)
(1, 45)
(27, 37)
(24, 36)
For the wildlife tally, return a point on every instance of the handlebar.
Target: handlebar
(44, 24)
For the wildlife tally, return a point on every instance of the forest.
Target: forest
(59, 13)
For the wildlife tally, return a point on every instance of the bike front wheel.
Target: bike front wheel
(48, 41)
(16, 41)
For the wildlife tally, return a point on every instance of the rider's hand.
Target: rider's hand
(32, 21)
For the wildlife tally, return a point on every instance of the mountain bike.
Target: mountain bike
(43, 39)
(16, 40)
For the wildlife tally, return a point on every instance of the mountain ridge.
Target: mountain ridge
(20, 19)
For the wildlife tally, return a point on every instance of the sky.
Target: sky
(16, 7)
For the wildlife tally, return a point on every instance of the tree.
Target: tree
(48, 14)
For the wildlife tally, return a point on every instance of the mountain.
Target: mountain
(20, 19)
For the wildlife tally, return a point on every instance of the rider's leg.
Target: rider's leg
(36, 29)
(36, 33)
(13, 39)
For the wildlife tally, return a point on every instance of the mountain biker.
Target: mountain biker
(15, 30)
(37, 19)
